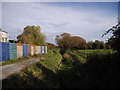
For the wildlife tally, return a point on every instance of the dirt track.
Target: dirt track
(7, 70)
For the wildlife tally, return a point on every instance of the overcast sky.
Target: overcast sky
(84, 19)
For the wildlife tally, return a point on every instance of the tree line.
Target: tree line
(33, 35)
(67, 41)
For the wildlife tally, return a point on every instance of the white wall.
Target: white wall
(3, 36)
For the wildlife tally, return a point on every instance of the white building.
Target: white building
(3, 36)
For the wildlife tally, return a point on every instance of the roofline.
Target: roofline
(3, 31)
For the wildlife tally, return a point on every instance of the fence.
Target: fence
(10, 51)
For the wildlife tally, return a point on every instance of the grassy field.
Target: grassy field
(74, 69)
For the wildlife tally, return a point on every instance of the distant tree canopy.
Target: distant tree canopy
(97, 45)
(32, 35)
(51, 46)
(61, 36)
(114, 41)
(66, 41)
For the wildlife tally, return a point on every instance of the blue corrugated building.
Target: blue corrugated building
(4, 51)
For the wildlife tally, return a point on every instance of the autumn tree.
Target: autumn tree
(108, 45)
(66, 41)
(102, 45)
(96, 45)
(90, 45)
(51, 46)
(61, 36)
(32, 35)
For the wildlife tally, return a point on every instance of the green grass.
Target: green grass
(41, 74)
(89, 69)
(76, 69)
(97, 51)
(52, 62)
(83, 55)
(22, 59)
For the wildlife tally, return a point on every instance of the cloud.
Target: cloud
(56, 18)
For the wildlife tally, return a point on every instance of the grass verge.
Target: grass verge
(44, 55)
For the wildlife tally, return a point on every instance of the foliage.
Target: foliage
(66, 41)
(32, 35)
(51, 46)
(115, 39)
(70, 42)
(90, 45)
(98, 45)
(100, 70)
(61, 36)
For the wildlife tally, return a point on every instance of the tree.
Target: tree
(115, 39)
(102, 45)
(90, 45)
(58, 37)
(78, 42)
(32, 35)
(66, 41)
(51, 46)
(107, 46)
(96, 45)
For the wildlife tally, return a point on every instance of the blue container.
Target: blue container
(25, 50)
(0, 52)
(13, 51)
(4, 51)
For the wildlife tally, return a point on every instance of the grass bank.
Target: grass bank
(89, 69)
(74, 69)
(39, 75)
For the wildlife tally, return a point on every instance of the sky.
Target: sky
(88, 20)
